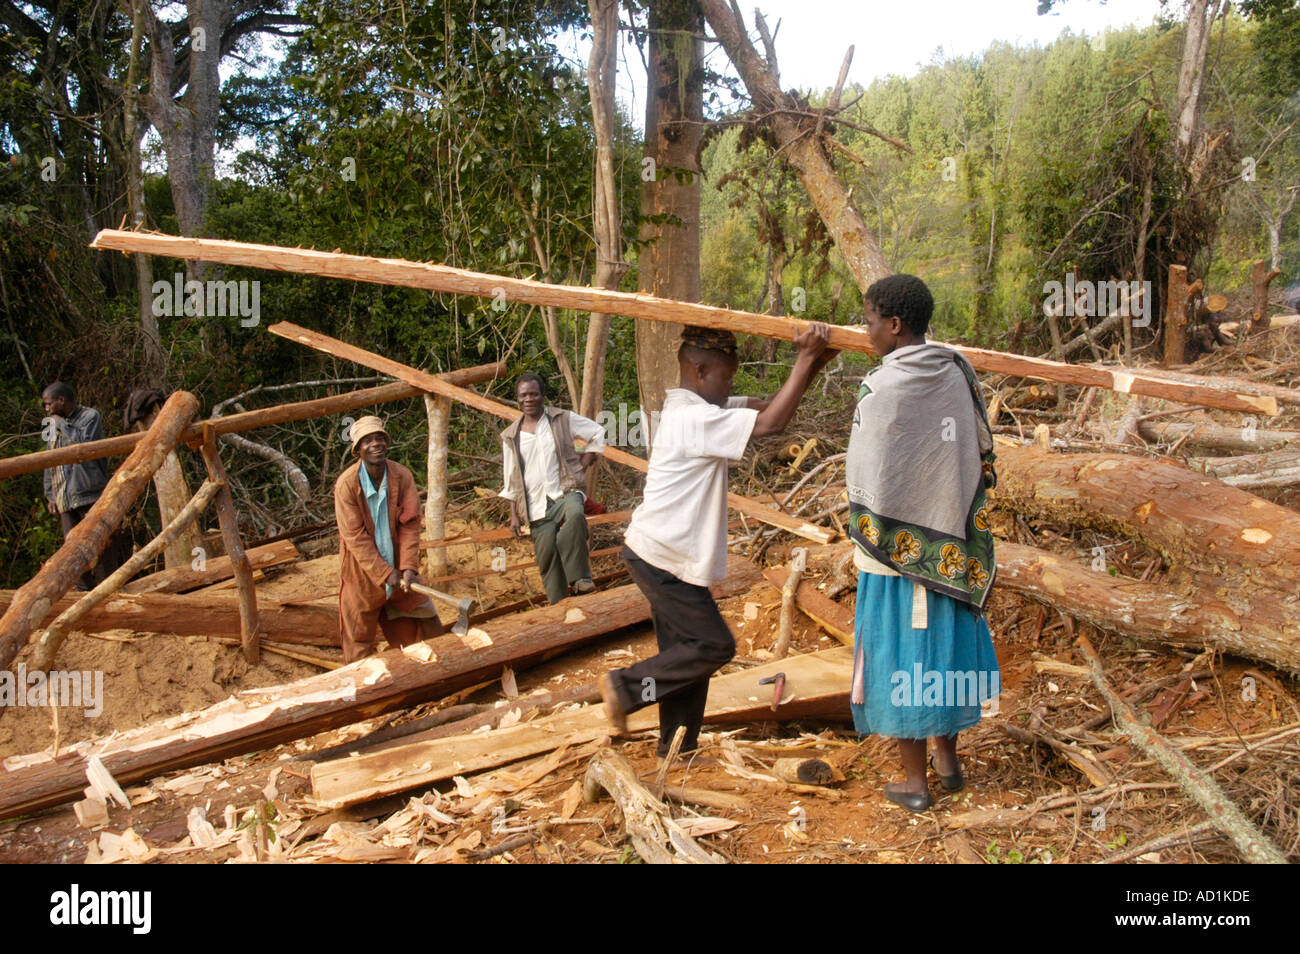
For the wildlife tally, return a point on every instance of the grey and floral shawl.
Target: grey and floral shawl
(920, 458)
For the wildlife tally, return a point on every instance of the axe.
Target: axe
(463, 606)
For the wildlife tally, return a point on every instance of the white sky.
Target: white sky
(892, 36)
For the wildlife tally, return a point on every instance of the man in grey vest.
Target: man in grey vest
(544, 477)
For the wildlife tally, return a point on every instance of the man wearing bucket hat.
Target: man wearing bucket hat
(377, 508)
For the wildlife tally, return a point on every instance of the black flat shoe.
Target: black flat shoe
(950, 783)
(912, 801)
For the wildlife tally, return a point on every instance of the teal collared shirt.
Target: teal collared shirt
(377, 501)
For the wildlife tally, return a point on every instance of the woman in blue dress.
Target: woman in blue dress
(920, 458)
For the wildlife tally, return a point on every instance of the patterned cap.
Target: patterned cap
(709, 339)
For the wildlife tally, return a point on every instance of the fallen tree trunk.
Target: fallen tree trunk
(1207, 391)
(1250, 440)
(341, 349)
(244, 421)
(259, 718)
(215, 570)
(204, 614)
(1143, 611)
(1279, 468)
(32, 602)
(817, 686)
(1223, 545)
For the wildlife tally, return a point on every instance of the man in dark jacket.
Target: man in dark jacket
(72, 489)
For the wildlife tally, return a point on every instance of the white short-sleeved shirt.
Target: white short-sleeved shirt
(681, 525)
(541, 465)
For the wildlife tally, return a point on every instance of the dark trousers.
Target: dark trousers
(694, 643)
(560, 545)
(109, 560)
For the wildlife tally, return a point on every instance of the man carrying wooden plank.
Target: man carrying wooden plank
(72, 489)
(677, 540)
(543, 482)
(378, 511)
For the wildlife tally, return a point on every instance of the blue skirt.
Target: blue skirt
(918, 683)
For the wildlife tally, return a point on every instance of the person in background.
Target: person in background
(377, 507)
(72, 489)
(544, 475)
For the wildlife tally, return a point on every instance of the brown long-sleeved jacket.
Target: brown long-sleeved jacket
(362, 571)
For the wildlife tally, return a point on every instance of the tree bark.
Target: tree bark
(1175, 323)
(205, 614)
(259, 718)
(52, 639)
(229, 520)
(669, 264)
(32, 603)
(212, 570)
(437, 410)
(1261, 276)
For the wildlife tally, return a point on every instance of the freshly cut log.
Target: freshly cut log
(1247, 438)
(244, 421)
(1192, 519)
(258, 718)
(388, 271)
(1279, 468)
(215, 570)
(203, 614)
(1224, 546)
(503, 533)
(1144, 611)
(421, 379)
(817, 687)
(33, 601)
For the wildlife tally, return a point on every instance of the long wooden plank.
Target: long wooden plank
(258, 718)
(444, 278)
(503, 533)
(181, 579)
(817, 686)
(204, 614)
(429, 382)
(243, 421)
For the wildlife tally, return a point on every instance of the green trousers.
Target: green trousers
(560, 545)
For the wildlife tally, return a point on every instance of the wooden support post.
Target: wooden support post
(229, 521)
(33, 602)
(1261, 276)
(53, 637)
(387, 271)
(437, 409)
(428, 382)
(244, 421)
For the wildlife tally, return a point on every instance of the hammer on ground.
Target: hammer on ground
(777, 683)
(464, 606)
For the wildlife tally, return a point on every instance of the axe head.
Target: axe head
(461, 626)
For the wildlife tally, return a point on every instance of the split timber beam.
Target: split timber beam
(443, 278)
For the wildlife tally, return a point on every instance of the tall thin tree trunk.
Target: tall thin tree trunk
(154, 357)
(670, 204)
